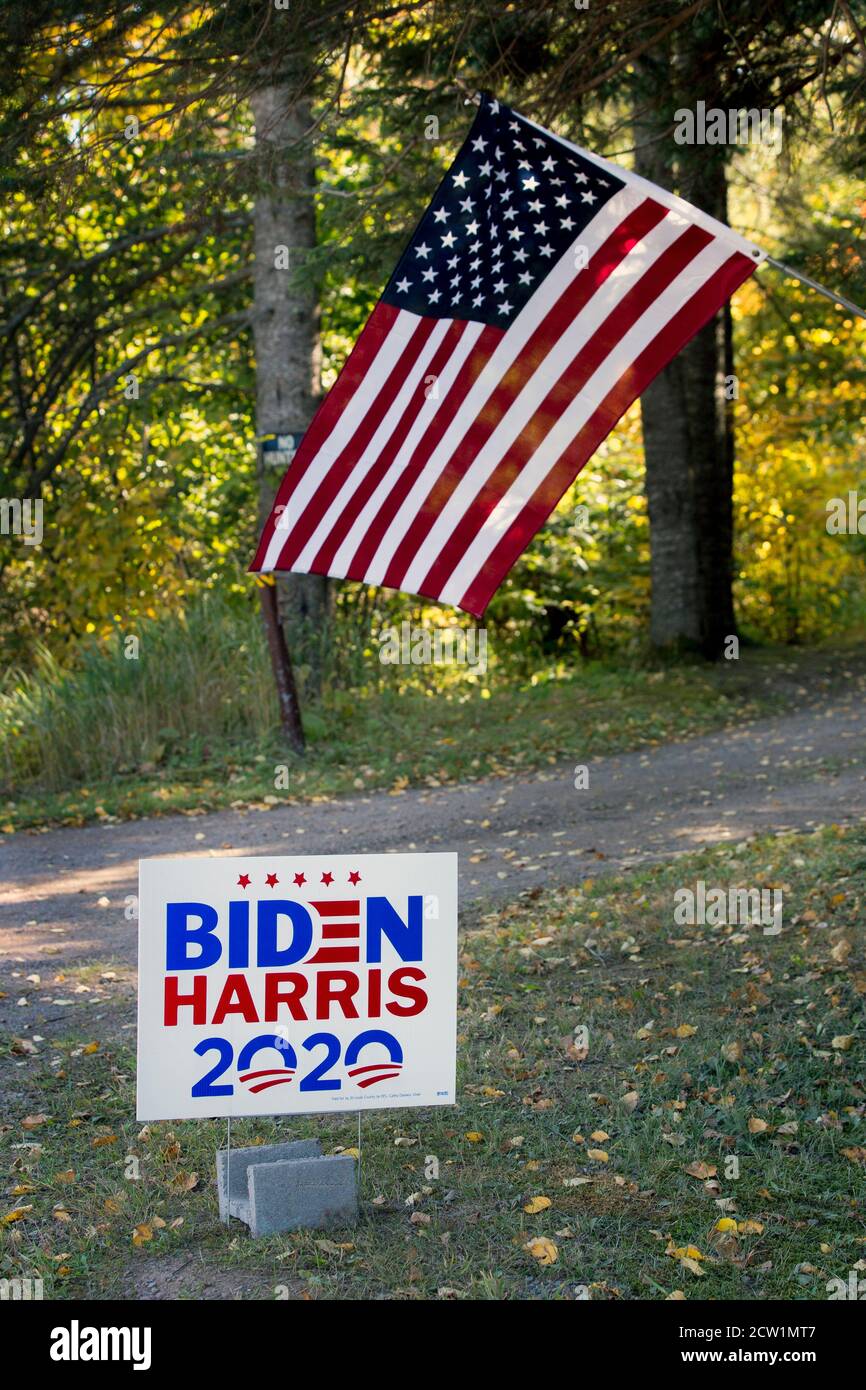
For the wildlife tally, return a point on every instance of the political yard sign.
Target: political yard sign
(290, 985)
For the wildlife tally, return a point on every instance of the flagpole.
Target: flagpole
(822, 289)
(284, 676)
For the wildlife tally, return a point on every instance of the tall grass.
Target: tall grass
(200, 678)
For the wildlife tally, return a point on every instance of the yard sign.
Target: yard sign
(288, 985)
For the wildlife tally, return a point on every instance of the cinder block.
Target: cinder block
(233, 1187)
(302, 1193)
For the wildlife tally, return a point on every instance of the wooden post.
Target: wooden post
(281, 662)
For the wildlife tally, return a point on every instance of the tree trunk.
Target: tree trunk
(687, 425)
(286, 334)
(675, 617)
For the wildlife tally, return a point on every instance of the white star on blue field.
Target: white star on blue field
(512, 202)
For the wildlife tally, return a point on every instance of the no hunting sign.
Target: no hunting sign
(290, 985)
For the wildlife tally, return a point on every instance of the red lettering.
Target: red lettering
(336, 987)
(174, 1000)
(397, 985)
(374, 994)
(275, 995)
(236, 988)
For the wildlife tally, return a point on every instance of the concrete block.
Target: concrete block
(233, 1185)
(302, 1193)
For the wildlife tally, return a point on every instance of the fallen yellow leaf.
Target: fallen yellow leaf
(17, 1215)
(537, 1204)
(542, 1250)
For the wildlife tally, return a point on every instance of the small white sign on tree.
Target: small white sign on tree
(293, 985)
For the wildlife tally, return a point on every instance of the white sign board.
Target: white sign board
(289, 985)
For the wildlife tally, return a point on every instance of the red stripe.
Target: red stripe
(573, 298)
(343, 466)
(373, 1066)
(335, 955)
(355, 368)
(347, 908)
(340, 930)
(469, 372)
(679, 329)
(588, 359)
(268, 1071)
(369, 1080)
(366, 487)
(263, 1085)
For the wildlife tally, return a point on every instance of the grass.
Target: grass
(706, 1044)
(95, 743)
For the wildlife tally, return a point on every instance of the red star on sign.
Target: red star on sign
(244, 881)
(354, 876)
(271, 880)
(327, 878)
(300, 879)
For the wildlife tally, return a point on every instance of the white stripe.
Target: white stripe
(365, 393)
(389, 422)
(574, 336)
(561, 276)
(346, 553)
(702, 219)
(575, 416)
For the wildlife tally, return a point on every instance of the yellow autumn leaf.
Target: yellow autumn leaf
(599, 1136)
(90, 1048)
(475, 1136)
(725, 1223)
(750, 1228)
(684, 1252)
(17, 1214)
(843, 1042)
(537, 1204)
(141, 1234)
(692, 1266)
(102, 1139)
(542, 1250)
(757, 1126)
(599, 1155)
(685, 1030)
(68, 1175)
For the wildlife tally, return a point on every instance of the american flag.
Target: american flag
(543, 290)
